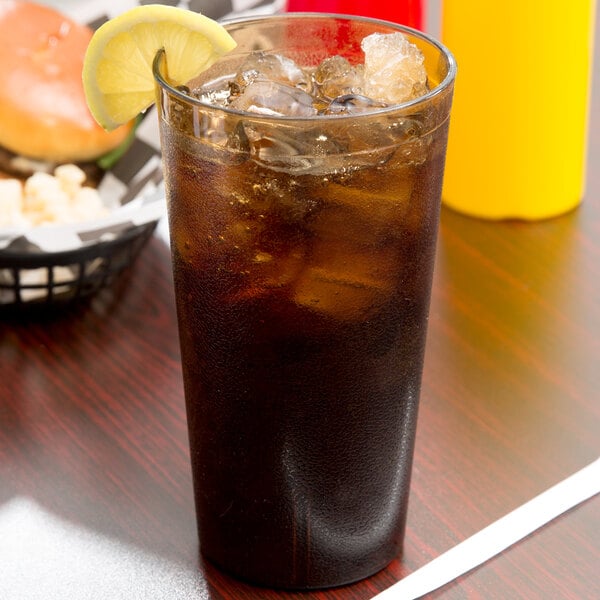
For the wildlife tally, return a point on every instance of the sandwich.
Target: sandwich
(44, 118)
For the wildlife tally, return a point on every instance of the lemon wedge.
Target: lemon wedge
(117, 69)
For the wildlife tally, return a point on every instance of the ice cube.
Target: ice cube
(264, 257)
(272, 67)
(237, 139)
(290, 149)
(271, 271)
(217, 96)
(342, 300)
(354, 243)
(280, 199)
(345, 282)
(352, 104)
(335, 76)
(394, 68)
(272, 98)
(369, 209)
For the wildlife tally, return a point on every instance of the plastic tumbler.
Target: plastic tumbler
(303, 251)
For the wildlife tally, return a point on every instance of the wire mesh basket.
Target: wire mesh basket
(52, 279)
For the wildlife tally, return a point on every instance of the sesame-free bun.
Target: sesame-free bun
(43, 113)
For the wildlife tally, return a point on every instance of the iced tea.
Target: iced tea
(303, 227)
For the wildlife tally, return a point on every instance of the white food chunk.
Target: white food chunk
(11, 203)
(49, 199)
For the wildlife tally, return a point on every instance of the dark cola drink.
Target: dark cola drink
(303, 248)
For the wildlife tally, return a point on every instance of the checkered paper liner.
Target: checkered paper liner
(133, 187)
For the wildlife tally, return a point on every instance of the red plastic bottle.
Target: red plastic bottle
(406, 12)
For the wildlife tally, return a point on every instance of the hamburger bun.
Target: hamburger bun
(43, 112)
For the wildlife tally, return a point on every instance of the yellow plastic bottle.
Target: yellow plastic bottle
(518, 130)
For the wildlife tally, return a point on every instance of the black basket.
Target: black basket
(50, 279)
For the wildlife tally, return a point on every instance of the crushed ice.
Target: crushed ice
(270, 84)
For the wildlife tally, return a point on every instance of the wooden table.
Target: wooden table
(93, 442)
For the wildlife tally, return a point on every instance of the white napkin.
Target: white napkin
(498, 536)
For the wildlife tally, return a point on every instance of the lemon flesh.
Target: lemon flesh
(117, 69)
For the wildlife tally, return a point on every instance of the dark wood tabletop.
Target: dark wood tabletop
(93, 433)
